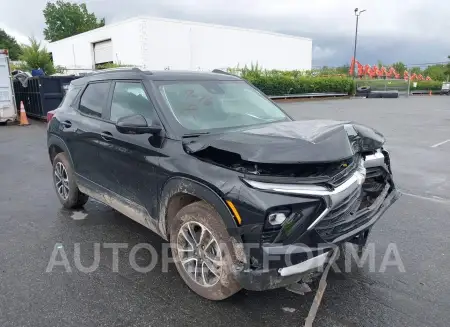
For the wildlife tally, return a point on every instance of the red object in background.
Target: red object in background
(391, 72)
(379, 72)
(420, 77)
(351, 71)
(397, 75)
(360, 69)
(413, 77)
(4, 51)
(374, 71)
(367, 70)
(428, 78)
(383, 71)
(406, 75)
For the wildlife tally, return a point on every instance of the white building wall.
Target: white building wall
(76, 52)
(156, 43)
(189, 45)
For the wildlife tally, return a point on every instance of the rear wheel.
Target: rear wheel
(203, 251)
(65, 185)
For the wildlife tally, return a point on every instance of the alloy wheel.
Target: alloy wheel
(199, 254)
(61, 181)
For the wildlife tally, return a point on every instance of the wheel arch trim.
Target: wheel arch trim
(178, 185)
(58, 141)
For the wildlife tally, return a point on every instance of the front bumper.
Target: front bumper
(300, 254)
(263, 279)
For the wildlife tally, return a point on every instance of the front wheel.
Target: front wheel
(64, 181)
(203, 252)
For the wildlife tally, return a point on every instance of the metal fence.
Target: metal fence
(399, 85)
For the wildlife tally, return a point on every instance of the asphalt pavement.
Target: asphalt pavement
(33, 225)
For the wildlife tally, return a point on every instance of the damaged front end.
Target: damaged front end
(330, 181)
(306, 237)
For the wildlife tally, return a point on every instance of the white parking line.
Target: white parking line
(432, 198)
(320, 290)
(438, 144)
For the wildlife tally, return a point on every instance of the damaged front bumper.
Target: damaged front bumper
(343, 219)
(263, 279)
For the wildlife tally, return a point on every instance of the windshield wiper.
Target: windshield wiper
(197, 134)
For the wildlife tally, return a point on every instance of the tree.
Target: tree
(64, 19)
(448, 69)
(34, 56)
(436, 72)
(399, 68)
(343, 69)
(10, 43)
(416, 70)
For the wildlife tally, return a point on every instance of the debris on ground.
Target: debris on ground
(298, 288)
(286, 309)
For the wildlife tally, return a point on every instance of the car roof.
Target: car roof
(159, 75)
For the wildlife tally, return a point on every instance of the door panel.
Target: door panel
(130, 167)
(83, 130)
(132, 161)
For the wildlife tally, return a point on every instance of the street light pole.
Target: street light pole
(357, 13)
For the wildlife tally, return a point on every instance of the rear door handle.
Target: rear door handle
(107, 136)
(66, 124)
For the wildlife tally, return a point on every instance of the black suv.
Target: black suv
(248, 197)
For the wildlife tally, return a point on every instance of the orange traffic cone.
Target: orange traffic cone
(23, 116)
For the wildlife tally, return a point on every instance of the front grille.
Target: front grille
(344, 174)
(343, 218)
(269, 235)
(375, 172)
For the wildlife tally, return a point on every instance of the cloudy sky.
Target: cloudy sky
(412, 31)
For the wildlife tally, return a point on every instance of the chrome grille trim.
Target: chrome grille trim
(346, 193)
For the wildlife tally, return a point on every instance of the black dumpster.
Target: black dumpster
(41, 94)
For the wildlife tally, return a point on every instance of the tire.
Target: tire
(192, 219)
(3, 123)
(363, 89)
(68, 193)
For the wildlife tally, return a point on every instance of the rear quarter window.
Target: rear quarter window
(93, 99)
(70, 96)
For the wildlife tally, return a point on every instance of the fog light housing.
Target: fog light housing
(276, 218)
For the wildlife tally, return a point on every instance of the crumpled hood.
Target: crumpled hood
(293, 142)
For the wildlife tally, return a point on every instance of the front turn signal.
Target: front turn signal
(236, 214)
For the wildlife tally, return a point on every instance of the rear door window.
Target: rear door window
(93, 99)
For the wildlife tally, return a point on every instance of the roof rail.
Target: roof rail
(117, 69)
(220, 71)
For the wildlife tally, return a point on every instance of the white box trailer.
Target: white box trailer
(156, 43)
(8, 110)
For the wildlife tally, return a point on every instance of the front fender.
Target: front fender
(177, 185)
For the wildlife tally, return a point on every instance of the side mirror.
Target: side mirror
(136, 124)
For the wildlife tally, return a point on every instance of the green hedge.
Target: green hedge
(427, 85)
(280, 84)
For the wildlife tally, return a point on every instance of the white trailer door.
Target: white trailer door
(103, 52)
(7, 108)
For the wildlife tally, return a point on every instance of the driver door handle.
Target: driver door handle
(107, 136)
